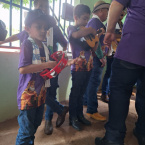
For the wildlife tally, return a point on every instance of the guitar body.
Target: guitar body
(92, 41)
(114, 45)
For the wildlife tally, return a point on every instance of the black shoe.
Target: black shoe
(75, 124)
(61, 118)
(103, 141)
(83, 120)
(140, 138)
(105, 98)
(48, 129)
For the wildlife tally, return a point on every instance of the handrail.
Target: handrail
(9, 47)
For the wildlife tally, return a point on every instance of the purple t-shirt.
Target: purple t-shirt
(79, 51)
(31, 89)
(22, 36)
(57, 38)
(132, 45)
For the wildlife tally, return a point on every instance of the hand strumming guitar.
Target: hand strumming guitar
(92, 40)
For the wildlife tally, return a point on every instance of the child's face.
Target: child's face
(37, 30)
(43, 5)
(82, 20)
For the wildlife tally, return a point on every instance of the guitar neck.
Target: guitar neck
(99, 31)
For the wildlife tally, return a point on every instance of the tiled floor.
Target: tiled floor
(66, 135)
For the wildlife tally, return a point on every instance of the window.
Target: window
(13, 13)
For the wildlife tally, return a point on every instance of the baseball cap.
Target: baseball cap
(100, 5)
(36, 14)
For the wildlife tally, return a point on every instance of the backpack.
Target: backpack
(3, 31)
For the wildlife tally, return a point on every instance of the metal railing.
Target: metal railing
(21, 7)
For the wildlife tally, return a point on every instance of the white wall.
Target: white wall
(9, 78)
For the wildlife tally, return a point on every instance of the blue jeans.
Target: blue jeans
(52, 105)
(90, 96)
(79, 85)
(124, 76)
(106, 79)
(29, 120)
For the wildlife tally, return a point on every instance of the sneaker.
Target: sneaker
(97, 116)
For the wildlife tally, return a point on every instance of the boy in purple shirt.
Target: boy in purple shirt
(31, 89)
(52, 105)
(128, 67)
(80, 70)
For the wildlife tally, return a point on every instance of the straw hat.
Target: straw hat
(100, 5)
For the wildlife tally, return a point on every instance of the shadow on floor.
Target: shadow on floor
(66, 135)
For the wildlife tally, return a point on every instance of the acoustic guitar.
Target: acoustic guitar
(92, 40)
(118, 34)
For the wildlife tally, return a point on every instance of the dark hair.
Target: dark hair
(36, 2)
(81, 9)
(35, 15)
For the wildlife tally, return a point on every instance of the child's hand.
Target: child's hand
(72, 61)
(102, 32)
(103, 61)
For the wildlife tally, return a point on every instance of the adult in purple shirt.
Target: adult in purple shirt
(128, 67)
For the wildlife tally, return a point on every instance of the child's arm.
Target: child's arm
(72, 61)
(83, 32)
(60, 37)
(37, 67)
(10, 39)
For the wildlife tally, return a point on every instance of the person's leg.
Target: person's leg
(139, 130)
(105, 84)
(39, 116)
(52, 105)
(51, 101)
(74, 94)
(48, 113)
(28, 123)
(92, 88)
(106, 80)
(85, 76)
(124, 76)
(76, 99)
